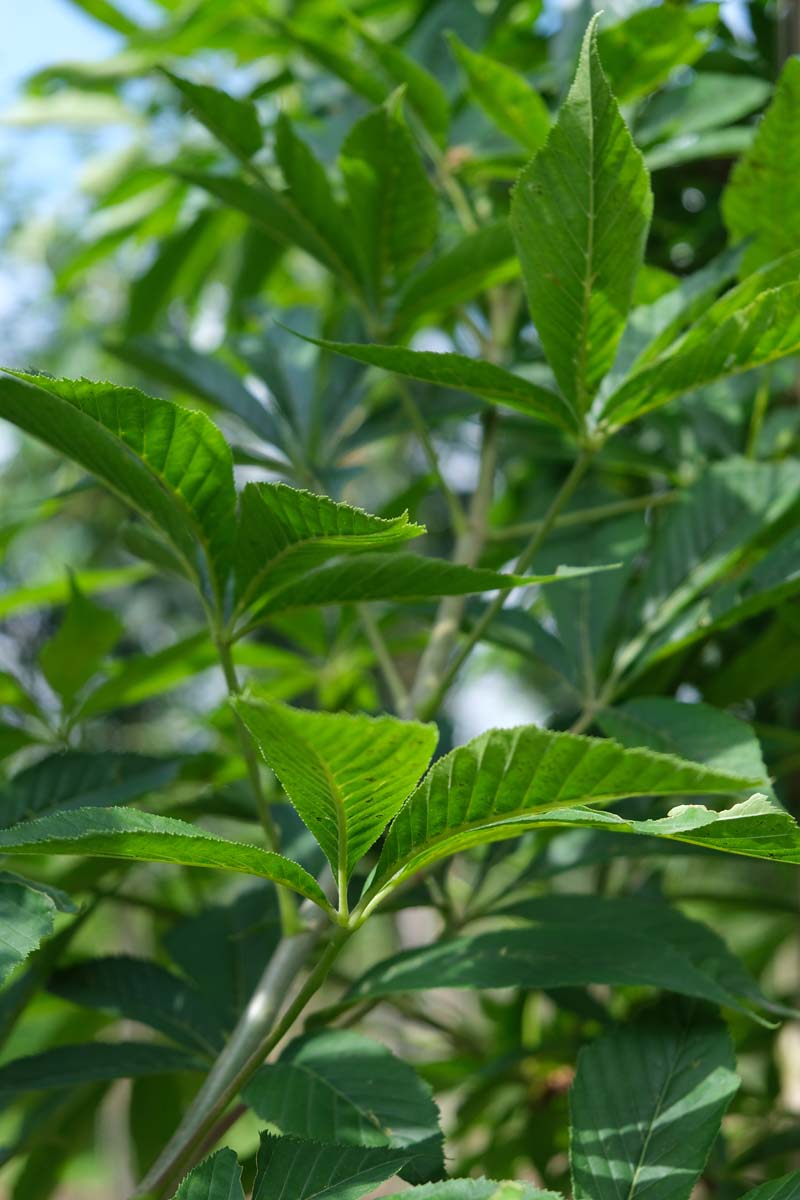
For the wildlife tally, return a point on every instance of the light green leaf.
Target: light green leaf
(762, 332)
(232, 122)
(170, 464)
(505, 781)
(78, 779)
(393, 205)
(483, 379)
(647, 1104)
(70, 1066)
(580, 215)
(704, 101)
(87, 633)
(218, 1178)
(142, 991)
(339, 1086)
(712, 143)
(505, 96)
(641, 52)
(762, 199)
(479, 261)
(57, 591)
(285, 532)
(311, 1171)
(108, 14)
(481, 1189)
(119, 833)
(346, 775)
(26, 917)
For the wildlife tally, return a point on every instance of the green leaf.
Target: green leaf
(580, 214)
(424, 92)
(170, 464)
(483, 379)
(641, 52)
(142, 991)
(57, 591)
(696, 731)
(555, 954)
(704, 101)
(393, 205)
(785, 1188)
(311, 1171)
(78, 779)
(505, 781)
(762, 199)
(762, 332)
(482, 1189)
(341, 1087)
(177, 364)
(311, 194)
(87, 633)
(273, 212)
(232, 122)
(505, 96)
(395, 577)
(285, 532)
(119, 833)
(26, 918)
(713, 143)
(108, 14)
(647, 1104)
(477, 262)
(347, 776)
(218, 1178)
(70, 1066)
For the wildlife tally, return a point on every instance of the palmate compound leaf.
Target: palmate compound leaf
(121, 833)
(284, 532)
(484, 379)
(346, 775)
(580, 215)
(338, 1086)
(647, 1104)
(172, 465)
(508, 780)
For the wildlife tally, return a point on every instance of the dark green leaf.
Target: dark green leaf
(640, 52)
(311, 1171)
(218, 1178)
(87, 633)
(69, 1066)
(233, 122)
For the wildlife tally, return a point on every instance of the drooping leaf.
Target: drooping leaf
(347, 776)
(763, 331)
(580, 215)
(217, 1178)
(78, 779)
(505, 781)
(483, 379)
(647, 1104)
(170, 464)
(69, 1066)
(393, 204)
(87, 633)
(641, 51)
(120, 833)
(284, 532)
(142, 991)
(313, 1171)
(505, 96)
(232, 122)
(762, 199)
(339, 1086)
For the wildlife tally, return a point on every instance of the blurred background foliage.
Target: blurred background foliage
(125, 257)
